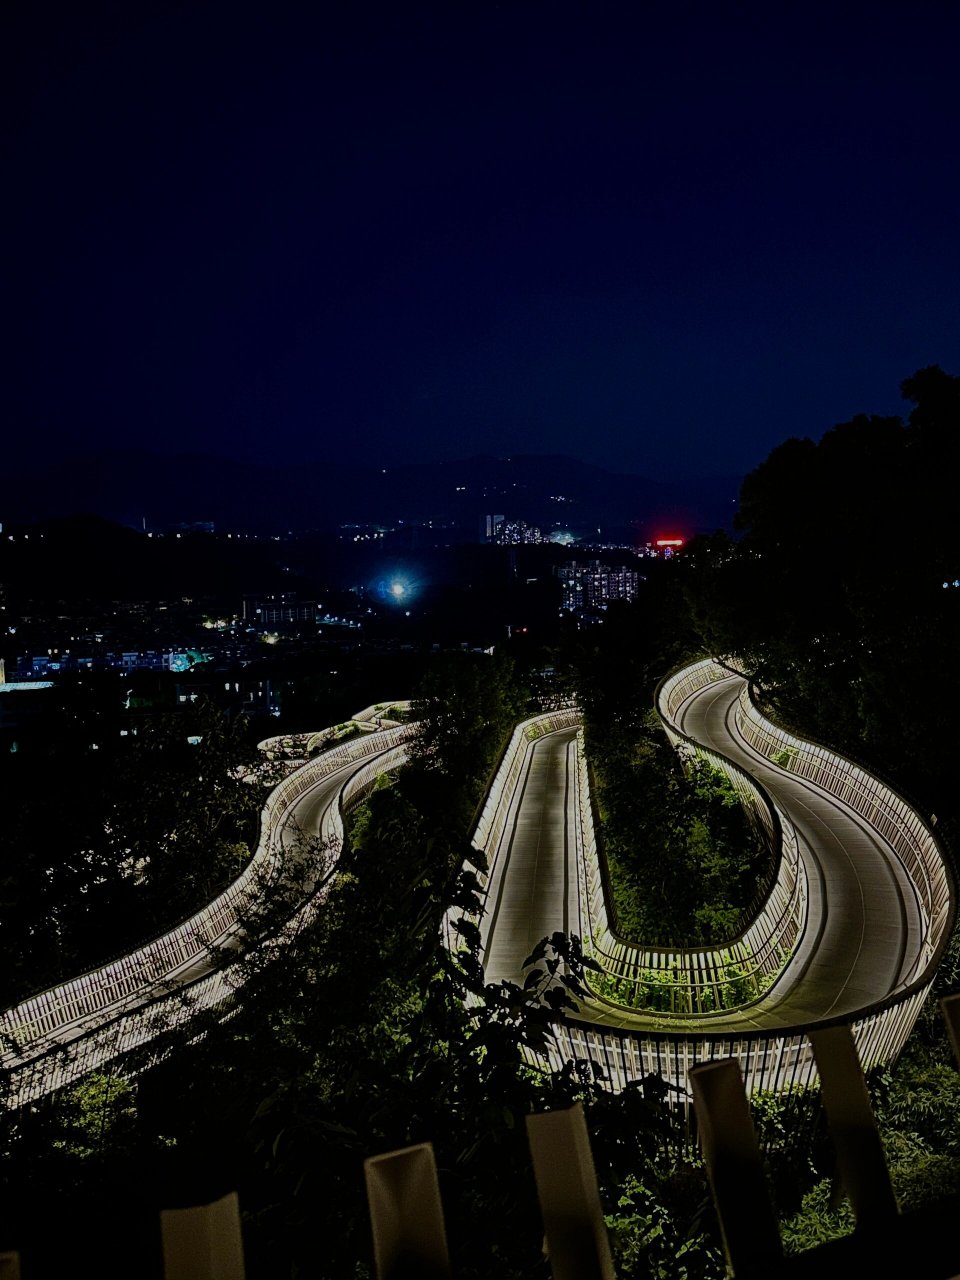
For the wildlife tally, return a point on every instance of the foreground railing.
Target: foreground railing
(409, 1233)
(55, 1037)
(408, 1223)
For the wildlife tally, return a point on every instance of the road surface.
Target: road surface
(864, 930)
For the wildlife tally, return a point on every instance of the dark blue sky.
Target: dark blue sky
(659, 237)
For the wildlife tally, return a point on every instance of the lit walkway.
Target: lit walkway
(53, 1038)
(864, 930)
(534, 889)
(862, 939)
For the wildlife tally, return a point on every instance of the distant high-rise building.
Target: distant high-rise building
(489, 525)
(589, 588)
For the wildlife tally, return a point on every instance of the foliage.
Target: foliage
(158, 824)
(466, 706)
(818, 1220)
(851, 633)
(922, 1097)
(86, 1151)
(180, 809)
(916, 1104)
(99, 1111)
(683, 859)
(829, 611)
(658, 1232)
(669, 990)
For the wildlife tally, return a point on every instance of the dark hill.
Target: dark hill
(136, 487)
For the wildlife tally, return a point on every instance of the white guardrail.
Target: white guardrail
(53, 1038)
(678, 981)
(780, 1059)
(878, 804)
(775, 1059)
(493, 816)
(698, 980)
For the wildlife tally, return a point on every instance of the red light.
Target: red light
(669, 542)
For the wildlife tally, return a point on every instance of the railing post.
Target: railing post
(406, 1216)
(576, 1234)
(203, 1243)
(853, 1129)
(751, 1236)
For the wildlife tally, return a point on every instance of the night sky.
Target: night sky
(657, 237)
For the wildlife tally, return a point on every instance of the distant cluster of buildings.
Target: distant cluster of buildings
(510, 533)
(29, 708)
(517, 533)
(159, 637)
(38, 666)
(286, 606)
(589, 588)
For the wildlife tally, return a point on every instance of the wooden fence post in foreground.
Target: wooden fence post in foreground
(853, 1129)
(406, 1216)
(577, 1242)
(751, 1236)
(203, 1243)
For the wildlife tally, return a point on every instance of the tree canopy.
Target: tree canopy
(839, 594)
(146, 829)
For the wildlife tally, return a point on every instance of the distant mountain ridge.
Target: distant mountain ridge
(136, 487)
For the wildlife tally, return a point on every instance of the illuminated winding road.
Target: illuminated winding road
(52, 1039)
(863, 939)
(864, 931)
